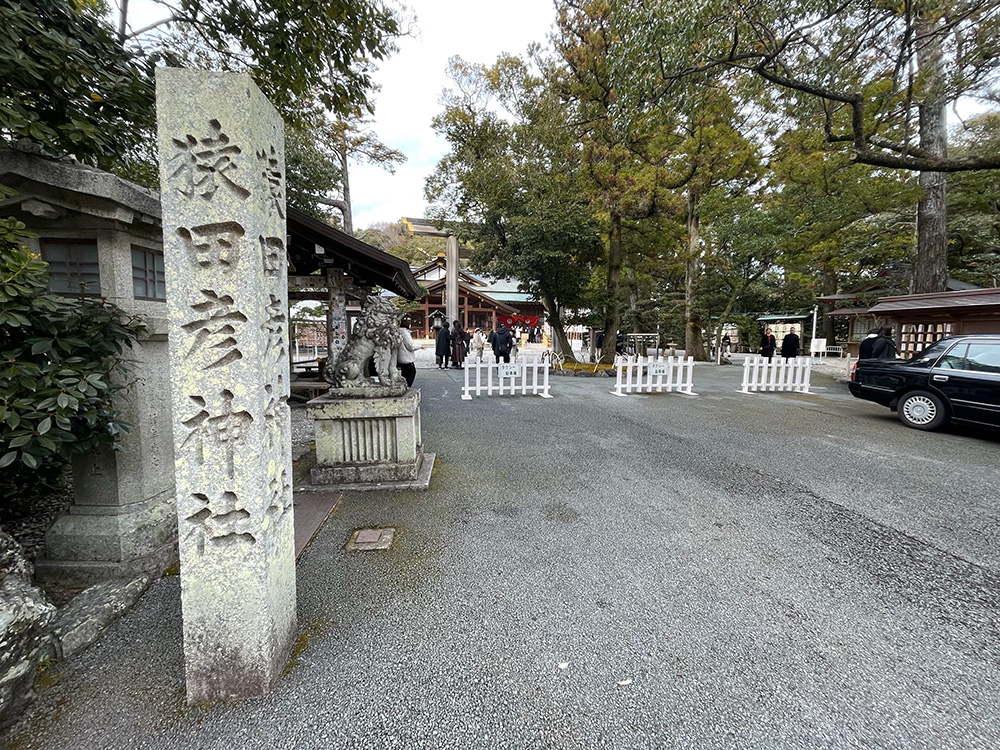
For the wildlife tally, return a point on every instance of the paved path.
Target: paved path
(721, 571)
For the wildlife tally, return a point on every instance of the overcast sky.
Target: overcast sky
(412, 81)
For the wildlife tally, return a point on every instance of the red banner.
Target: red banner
(528, 321)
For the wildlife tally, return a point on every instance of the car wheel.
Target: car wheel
(922, 410)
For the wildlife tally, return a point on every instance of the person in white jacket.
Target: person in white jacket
(478, 344)
(405, 357)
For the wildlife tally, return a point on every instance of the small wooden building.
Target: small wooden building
(922, 319)
(863, 318)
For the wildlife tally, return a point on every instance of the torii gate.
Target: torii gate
(426, 228)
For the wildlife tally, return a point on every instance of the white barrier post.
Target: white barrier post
(806, 376)
(688, 386)
(618, 380)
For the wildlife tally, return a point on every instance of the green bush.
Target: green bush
(62, 360)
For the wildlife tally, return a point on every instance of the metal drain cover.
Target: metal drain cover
(366, 539)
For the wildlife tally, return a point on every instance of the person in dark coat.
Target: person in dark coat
(884, 347)
(501, 344)
(865, 350)
(459, 345)
(768, 344)
(442, 347)
(790, 345)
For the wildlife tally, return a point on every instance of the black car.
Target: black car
(957, 378)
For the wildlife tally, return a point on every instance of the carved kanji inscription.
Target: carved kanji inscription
(215, 330)
(272, 252)
(213, 245)
(270, 169)
(218, 520)
(274, 328)
(203, 165)
(279, 495)
(216, 429)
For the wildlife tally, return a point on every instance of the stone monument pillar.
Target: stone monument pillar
(221, 152)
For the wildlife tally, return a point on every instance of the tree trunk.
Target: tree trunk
(554, 317)
(724, 318)
(930, 273)
(633, 302)
(828, 285)
(694, 344)
(123, 22)
(612, 318)
(348, 209)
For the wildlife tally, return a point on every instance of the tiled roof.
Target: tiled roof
(939, 301)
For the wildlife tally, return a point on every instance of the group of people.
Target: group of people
(503, 343)
(878, 345)
(789, 344)
(451, 344)
(454, 344)
(619, 343)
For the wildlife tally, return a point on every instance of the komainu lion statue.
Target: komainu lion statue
(375, 337)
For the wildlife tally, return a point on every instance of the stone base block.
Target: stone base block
(420, 483)
(367, 441)
(360, 473)
(92, 543)
(79, 574)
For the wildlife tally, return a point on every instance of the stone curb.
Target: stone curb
(81, 622)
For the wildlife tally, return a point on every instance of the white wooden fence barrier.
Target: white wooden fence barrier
(761, 374)
(649, 375)
(506, 379)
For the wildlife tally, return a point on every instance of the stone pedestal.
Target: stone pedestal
(92, 543)
(367, 440)
(123, 521)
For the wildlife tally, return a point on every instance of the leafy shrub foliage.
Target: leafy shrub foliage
(67, 83)
(62, 361)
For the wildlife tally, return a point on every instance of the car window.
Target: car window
(983, 358)
(929, 356)
(954, 359)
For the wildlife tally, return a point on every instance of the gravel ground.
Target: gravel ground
(30, 531)
(719, 571)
